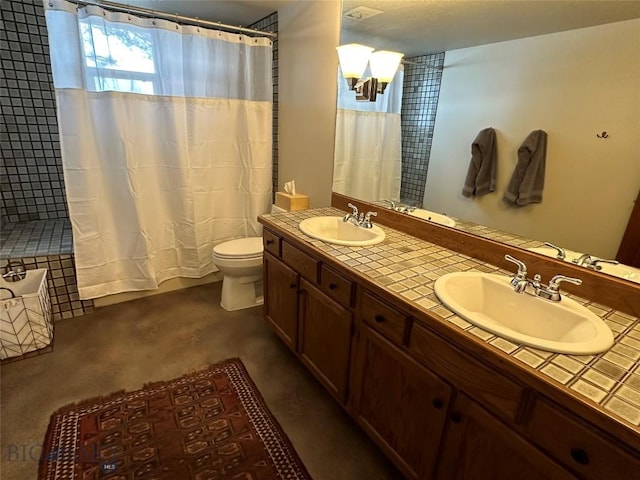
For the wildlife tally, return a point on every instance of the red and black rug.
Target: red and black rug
(208, 425)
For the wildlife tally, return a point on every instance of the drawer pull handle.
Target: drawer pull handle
(332, 286)
(269, 242)
(379, 318)
(456, 417)
(580, 456)
(437, 403)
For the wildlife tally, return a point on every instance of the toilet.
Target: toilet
(240, 262)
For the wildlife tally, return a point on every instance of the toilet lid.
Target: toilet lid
(239, 248)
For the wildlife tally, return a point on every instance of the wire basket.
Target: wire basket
(25, 314)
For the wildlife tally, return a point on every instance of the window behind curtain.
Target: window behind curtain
(118, 57)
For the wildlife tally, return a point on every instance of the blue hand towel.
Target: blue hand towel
(527, 181)
(481, 175)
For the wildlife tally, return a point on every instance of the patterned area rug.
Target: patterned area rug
(211, 424)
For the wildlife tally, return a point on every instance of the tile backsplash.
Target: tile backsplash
(31, 179)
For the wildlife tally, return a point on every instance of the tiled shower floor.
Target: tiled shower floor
(36, 238)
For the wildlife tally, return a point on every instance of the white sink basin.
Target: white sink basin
(489, 302)
(334, 230)
(433, 217)
(621, 271)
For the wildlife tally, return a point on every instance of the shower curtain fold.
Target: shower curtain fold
(154, 180)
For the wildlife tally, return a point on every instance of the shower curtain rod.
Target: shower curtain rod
(174, 17)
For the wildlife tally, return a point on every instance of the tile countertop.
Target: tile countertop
(409, 266)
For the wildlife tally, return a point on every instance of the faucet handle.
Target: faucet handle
(554, 283)
(594, 261)
(354, 208)
(391, 203)
(522, 268)
(519, 281)
(561, 255)
(366, 223)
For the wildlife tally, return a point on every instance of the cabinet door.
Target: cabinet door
(325, 339)
(400, 404)
(281, 299)
(478, 446)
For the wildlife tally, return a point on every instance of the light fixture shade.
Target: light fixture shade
(353, 59)
(384, 65)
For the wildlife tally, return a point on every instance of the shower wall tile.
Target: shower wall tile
(31, 179)
(270, 24)
(421, 89)
(61, 282)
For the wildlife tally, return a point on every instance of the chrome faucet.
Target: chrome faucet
(549, 292)
(391, 203)
(595, 261)
(581, 259)
(353, 216)
(366, 223)
(519, 281)
(552, 291)
(405, 209)
(359, 219)
(561, 255)
(592, 262)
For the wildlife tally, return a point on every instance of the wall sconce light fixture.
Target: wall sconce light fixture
(353, 62)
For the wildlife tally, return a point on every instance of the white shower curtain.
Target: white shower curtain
(368, 146)
(165, 132)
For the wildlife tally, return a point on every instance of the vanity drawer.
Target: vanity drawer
(336, 286)
(271, 242)
(304, 264)
(503, 396)
(384, 318)
(580, 447)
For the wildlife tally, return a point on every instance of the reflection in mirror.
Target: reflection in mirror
(573, 84)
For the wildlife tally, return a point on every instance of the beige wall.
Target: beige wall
(309, 32)
(572, 85)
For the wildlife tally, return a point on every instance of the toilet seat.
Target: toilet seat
(240, 248)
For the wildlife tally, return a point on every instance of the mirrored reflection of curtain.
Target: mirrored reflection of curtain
(368, 148)
(165, 132)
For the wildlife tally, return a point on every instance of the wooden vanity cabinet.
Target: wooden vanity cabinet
(437, 409)
(401, 405)
(281, 299)
(324, 344)
(588, 452)
(314, 325)
(477, 445)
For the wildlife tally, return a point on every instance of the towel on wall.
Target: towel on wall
(527, 181)
(481, 175)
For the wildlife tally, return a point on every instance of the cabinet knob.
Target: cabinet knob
(332, 286)
(456, 417)
(580, 456)
(269, 242)
(438, 403)
(379, 318)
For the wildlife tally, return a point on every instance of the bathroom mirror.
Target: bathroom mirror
(519, 68)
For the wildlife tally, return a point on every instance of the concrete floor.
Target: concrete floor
(123, 346)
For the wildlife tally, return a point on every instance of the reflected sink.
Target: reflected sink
(489, 302)
(433, 217)
(621, 271)
(334, 230)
